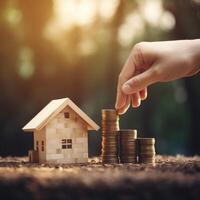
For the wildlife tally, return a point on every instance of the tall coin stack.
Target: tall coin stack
(110, 128)
(146, 150)
(128, 149)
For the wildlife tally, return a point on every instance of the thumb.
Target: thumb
(139, 82)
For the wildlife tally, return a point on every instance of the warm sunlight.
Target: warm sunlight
(155, 15)
(82, 12)
(68, 13)
(126, 34)
(152, 11)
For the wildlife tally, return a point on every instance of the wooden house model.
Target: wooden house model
(60, 133)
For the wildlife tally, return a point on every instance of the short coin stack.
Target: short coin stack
(110, 128)
(146, 150)
(128, 149)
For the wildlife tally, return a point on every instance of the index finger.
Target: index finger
(126, 73)
(121, 97)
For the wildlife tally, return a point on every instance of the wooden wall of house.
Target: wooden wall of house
(40, 144)
(61, 128)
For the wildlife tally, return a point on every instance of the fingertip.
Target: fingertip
(120, 102)
(143, 94)
(123, 110)
(120, 112)
(126, 106)
(118, 106)
(136, 103)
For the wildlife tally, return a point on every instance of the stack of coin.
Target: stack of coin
(128, 149)
(146, 150)
(110, 128)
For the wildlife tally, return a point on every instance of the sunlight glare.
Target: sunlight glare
(132, 27)
(70, 13)
(152, 11)
(73, 12)
(107, 8)
(167, 21)
(155, 15)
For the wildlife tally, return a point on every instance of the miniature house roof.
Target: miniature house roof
(51, 110)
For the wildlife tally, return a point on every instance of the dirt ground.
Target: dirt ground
(171, 178)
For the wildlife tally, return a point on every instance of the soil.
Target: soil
(171, 178)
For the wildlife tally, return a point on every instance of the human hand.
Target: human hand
(151, 62)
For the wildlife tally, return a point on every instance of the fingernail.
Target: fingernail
(137, 104)
(126, 88)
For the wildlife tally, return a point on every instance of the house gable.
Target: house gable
(52, 109)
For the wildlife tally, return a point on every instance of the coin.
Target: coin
(146, 141)
(110, 128)
(128, 146)
(109, 115)
(128, 133)
(128, 160)
(146, 150)
(147, 160)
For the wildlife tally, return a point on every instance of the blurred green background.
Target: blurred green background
(76, 48)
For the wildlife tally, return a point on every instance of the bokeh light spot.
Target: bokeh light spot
(68, 12)
(13, 16)
(132, 27)
(26, 68)
(167, 21)
(108, 8)
(152, 11)
(87, 47)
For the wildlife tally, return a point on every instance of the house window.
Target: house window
(66, 114)
(42, 146)
(69, 141)
(69, 146)
(64, 146)
(66, 143)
